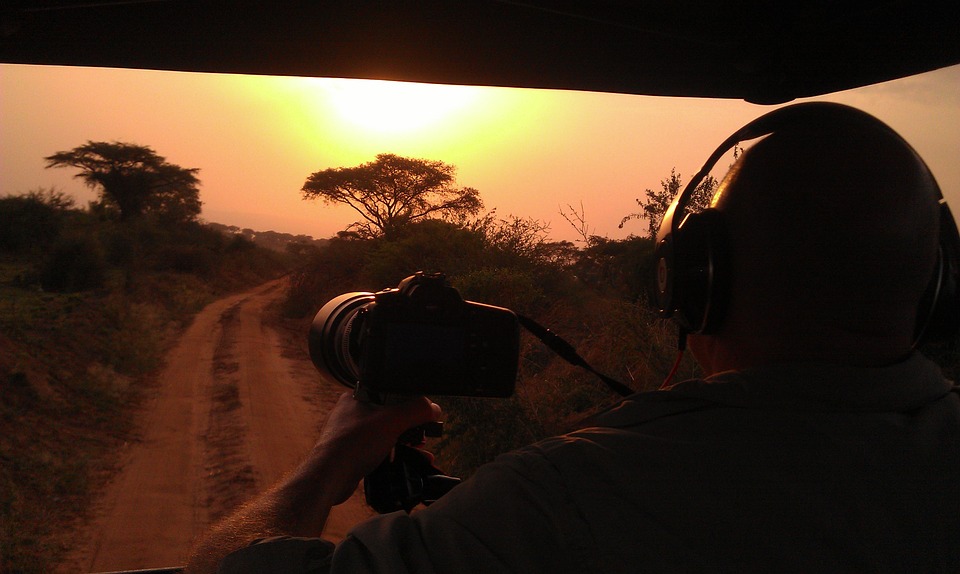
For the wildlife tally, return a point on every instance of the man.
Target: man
(819, 441)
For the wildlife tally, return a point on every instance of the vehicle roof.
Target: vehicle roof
(757, 50)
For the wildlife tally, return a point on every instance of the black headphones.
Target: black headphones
(692, 281)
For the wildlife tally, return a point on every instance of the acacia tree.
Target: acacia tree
(392, 192)
(655, 205)
(134, 180)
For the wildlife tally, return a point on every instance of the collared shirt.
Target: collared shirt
(790, 468)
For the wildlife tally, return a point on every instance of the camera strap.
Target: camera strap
(566, 351)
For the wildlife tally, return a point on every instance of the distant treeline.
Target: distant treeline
(274, 240)
(66, 249)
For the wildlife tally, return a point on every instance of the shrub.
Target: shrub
(622, 266)
(32, 220)
(240, 243)
(477, 430)
(74, 264)
(335, 269)
(432, 245)
(515, 289)
(192, 259)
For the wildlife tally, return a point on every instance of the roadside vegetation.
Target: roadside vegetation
(89, 303)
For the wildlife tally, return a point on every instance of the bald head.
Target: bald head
(833, 231)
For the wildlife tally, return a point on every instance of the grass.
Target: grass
(73, 368)
(58, 426)
(67, 367)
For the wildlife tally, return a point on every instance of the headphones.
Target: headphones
(692, 280)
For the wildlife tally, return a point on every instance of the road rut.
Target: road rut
(235, 408)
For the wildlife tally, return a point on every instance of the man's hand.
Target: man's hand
(356, 438)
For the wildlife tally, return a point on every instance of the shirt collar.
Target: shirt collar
(822, 387)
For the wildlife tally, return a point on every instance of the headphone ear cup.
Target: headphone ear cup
(938, 316)
(701, 273)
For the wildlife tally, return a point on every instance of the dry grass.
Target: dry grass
(73, 368)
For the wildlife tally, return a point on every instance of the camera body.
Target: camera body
(420, 338)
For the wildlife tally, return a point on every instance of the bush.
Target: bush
(193, 259)
(334, 270)
(240, 243)
(430, 246)
(515, 289)
(74, 264)
(623, 266)
(477, 430)
(32, 220)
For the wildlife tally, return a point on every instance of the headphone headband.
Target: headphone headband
(691, 274)
(762, 126)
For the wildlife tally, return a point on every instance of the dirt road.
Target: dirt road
(234, 409)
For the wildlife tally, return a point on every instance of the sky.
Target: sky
(530, 153)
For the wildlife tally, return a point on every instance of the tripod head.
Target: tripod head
(407, 477)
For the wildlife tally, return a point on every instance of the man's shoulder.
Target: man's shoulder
(643, 408)
(635, 425)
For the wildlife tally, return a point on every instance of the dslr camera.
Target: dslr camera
(420, 338)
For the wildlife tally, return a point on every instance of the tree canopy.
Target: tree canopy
(134, 180)
(391, 192)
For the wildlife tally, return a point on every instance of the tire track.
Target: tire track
(236, 407)
(229, 478)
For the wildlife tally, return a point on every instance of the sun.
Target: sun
(391, 108)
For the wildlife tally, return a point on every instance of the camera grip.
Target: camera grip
(404, 480)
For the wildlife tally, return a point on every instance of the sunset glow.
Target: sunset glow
(531, 153)
(394, 107)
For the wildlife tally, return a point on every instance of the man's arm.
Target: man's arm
(355, 439)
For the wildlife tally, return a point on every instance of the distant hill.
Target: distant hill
(273, 240)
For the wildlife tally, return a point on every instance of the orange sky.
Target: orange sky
(529, 152)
